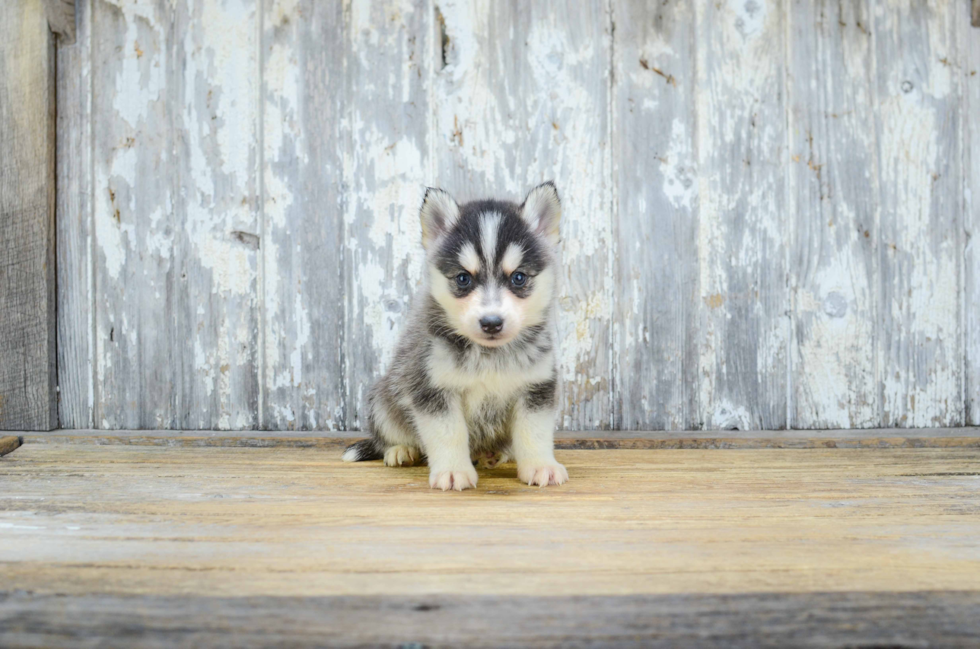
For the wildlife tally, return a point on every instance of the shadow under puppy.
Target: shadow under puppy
(474, 376)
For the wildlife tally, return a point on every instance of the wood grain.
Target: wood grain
(75, 232)
(768, 205)
(920, 139)
(135, 225)
(28, 357)
(304, 196)
(216, 211)
(507, 118)
(833, 180)
(969, 73)
(240, 522)
(389, 65)
(657, 306)
(927, 618)
(743, 229)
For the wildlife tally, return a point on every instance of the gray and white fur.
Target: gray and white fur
(474, 377)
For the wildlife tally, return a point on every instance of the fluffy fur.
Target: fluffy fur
(474, 376)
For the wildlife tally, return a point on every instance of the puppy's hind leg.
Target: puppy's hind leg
(390, 422)
(492, 459)
(401, 455)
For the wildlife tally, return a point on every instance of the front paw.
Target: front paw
(458, 479)
(542, 473)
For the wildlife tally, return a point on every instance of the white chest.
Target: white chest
(487, 387)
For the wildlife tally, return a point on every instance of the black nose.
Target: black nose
(491, 324)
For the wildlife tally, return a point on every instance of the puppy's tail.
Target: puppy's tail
(364, 450)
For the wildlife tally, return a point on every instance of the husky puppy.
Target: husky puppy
(474, 375)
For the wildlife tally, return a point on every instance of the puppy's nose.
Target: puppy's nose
(491, 324)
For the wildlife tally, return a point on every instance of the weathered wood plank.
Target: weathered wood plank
(137, 375)
(216, 99)
(969, 73)
(510, 116)
(866, 619)
(655, 340)
(833, 203)
(28, 357)
(303, 192)
(76, 343)
(239, 522)
(744, 229)
(920, 346)
(866, 438)
(389, 64)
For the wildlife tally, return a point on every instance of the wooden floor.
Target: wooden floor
(126, 545)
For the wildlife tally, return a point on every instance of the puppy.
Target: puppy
(474, 376)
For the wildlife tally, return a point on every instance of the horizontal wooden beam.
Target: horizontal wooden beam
(28, 368)
(749, 619)
(652, 440)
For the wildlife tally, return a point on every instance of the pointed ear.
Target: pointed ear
(438, 214)
(542, 211)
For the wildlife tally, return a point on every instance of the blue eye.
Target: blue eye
(518, 279)
(463, 280)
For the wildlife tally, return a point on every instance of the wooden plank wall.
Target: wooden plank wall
(768, 204)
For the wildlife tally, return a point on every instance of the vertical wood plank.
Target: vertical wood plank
(217, 239)
(656, 222)
(28, 361)
(969, 73)
(133, 211)
(521, 95)
(74, 227)
(833, 204)
(920, 347)
(744, 229)
(389, 118)
(303, 156)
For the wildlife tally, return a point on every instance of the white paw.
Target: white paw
(542, 473)
(401, 456)
(459, 479)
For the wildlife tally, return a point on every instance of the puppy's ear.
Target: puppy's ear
(438, 214)
(542, 211)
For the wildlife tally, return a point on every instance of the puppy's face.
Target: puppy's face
(491, 263)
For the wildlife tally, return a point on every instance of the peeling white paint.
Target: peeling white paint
(921, 377)
(679, 186)
(178, 188)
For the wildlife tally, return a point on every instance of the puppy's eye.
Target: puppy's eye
(463, 280)
(518, 279)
